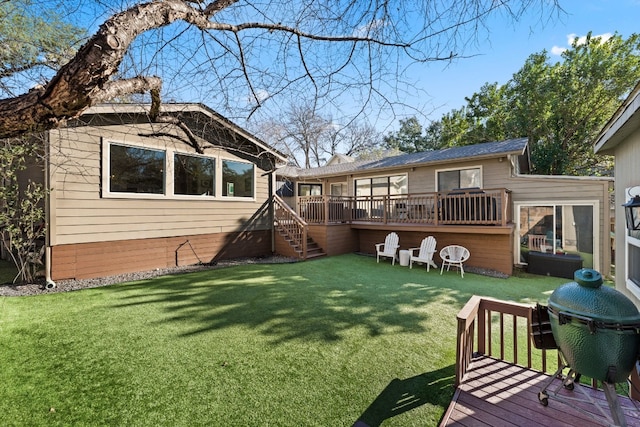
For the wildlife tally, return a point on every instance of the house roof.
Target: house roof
(446, 155)
(623, 122)
(196, 115)
(340, 158)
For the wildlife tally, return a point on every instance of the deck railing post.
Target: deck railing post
(482, 330)
(325, 203)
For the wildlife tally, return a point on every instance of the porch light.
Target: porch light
(632, 213)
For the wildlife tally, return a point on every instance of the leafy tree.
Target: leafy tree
(560, 106)
(242, 54)
(32, 46)
(411, 138)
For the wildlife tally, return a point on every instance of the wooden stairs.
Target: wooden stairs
(292, 230)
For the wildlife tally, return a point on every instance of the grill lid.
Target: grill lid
(587, 298)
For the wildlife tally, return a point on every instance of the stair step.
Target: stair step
(316, 255)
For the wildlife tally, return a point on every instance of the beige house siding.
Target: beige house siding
(571, 190)
(421, 179)
(497, 173)
(80, 213)
(627, 159)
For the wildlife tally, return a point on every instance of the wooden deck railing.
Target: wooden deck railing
(481, 319)
(291, 225)
(478, 323)
(460, 207)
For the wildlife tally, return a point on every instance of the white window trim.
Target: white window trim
(629, 240)
(630, 284)
(315, 183)
(106, 172)
(405, 174)
(171, 174)
(341, 184)
(595, 204)
(168, 175)
(437, 171)
(219, 189)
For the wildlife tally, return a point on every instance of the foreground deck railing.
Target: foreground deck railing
(501, 330)
(460, 207)
(481, 319)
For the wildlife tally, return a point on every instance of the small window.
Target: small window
(194, 175)
(459, 178)
(136, 170)
(382, 186)
(237, 179)
(339, 189)
(309, 189)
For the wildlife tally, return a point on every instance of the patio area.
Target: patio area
(499, 374)
(498, 393)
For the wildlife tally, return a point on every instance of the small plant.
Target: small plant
(22, 218)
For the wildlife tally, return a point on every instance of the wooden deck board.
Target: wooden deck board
(498, 393)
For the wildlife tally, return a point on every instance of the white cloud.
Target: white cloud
(558, 50)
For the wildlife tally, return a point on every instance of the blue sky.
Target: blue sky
(506, 48)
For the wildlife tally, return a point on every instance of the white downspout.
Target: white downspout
(49, 283)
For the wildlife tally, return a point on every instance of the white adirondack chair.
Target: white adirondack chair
(389, 248)
(425, 255)
(454, 255)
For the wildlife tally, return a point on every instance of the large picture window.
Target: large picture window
(459, 178)
(194, 175)
(237, 179)
(136, 170)
(133, 171)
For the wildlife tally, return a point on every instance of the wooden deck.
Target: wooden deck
(497, 393)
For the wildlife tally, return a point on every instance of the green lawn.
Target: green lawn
(318, 343)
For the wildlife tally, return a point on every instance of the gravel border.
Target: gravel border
(39, 288)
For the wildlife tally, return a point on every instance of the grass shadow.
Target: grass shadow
(403, 395)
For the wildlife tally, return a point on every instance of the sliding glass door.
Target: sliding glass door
(557, 229)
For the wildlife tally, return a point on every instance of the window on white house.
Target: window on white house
(459, 178)
(194, 175)
(136, 170)
(237, 179)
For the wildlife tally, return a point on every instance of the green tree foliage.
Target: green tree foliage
(411, 138)
(34, 43)
(560, 106)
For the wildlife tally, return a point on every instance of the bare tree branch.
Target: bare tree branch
(368, 30)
